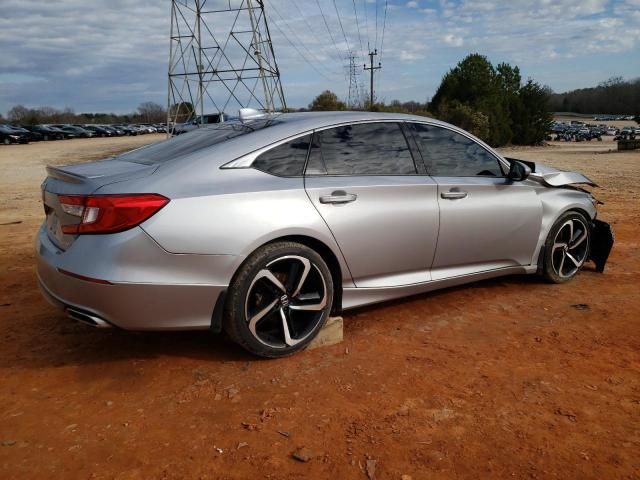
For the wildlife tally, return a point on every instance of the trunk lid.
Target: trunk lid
(81, 179)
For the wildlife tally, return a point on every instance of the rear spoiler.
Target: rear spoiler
(64, 175)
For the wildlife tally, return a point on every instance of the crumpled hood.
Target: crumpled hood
(557, 178)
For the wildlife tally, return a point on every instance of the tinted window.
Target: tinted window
(193, 141)
(286, 160)
(361, 149)
(450, 154)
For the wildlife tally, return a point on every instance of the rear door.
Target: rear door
(486, 220)
(381, 209)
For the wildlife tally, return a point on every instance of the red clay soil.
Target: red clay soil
(509, 378)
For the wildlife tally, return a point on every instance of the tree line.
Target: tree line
(147, 112)
(614, 96)
(496, 105)
(491, 102)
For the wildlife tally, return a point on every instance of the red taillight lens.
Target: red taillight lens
(109, 213)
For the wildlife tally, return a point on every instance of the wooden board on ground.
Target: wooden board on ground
(330, 334)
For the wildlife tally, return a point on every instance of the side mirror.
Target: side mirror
(518, 171)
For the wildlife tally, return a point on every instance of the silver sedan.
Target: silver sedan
(265, 225)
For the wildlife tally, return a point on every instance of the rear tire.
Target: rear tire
(278, 300)
(566, 248)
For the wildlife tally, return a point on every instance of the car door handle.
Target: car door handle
(338, 196)
(453, 195)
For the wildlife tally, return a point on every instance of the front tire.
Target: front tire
(566, 248)
(279, 300)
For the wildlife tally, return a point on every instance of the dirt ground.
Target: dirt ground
(504, 378)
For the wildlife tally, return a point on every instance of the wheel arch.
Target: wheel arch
(570, 209)
(327, 254)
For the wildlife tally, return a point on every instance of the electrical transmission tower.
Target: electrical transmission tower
(353, 101)
(220, 59)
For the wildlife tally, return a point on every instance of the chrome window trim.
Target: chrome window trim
(486, 147)
(246, 161)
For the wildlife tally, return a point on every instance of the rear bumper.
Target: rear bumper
(148, 289)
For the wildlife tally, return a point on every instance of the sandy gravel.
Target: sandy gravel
(509, 378)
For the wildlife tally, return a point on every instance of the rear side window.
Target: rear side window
(285, 160)
(361, 149)
(449, 154)
(198, 139)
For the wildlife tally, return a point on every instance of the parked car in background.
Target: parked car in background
(265, 225)
(77, 132)
(115, 132)
(192, 124)
(31, 136)
(97, 130)
(9, 135)
(126, 129)
(48, 133)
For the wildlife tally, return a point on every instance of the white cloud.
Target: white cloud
(453, 40)
(109, 56)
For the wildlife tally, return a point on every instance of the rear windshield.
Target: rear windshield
(193, 141)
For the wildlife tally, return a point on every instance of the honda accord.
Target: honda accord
(265, 225)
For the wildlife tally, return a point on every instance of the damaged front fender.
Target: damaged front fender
(552, 176)
(559, 178)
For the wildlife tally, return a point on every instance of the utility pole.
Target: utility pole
(371, 68)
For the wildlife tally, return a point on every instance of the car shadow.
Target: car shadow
(58, 341)
(50, 339)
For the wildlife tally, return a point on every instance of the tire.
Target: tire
(566, 248)
(278, 300)
(6, 141)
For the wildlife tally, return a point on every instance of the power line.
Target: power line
(311, 30)
(341, 27)
(315, 58)
(302, 55)
(328, 29)
(366, 22)
(376, 44)
(384, 24)
(355, 11)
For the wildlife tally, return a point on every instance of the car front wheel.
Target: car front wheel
(566, 248)
(279, 300)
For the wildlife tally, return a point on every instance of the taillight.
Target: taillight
(109, 213)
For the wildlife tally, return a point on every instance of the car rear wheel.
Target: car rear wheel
(566, 248)
(279, 300)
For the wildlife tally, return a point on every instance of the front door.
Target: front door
(487, 221)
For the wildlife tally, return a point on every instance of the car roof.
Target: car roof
(271, 129)
(311, 120)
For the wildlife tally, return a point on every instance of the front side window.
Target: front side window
(449, 154)
(361, 149)
(285, 160)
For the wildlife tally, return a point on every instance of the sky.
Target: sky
(110, 56)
